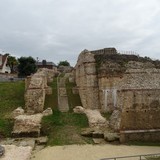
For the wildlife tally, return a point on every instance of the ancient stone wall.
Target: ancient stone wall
(130, 84)
(36, 89)
(28, 122)
(86, 80)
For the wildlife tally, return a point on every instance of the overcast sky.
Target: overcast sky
(60, 29)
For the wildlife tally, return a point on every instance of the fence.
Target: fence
(127, 52)
(137, 157)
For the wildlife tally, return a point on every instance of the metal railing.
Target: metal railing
(127, 52)
(139, 157)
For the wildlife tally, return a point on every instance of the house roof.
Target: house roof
(47, 63)
(4, 57)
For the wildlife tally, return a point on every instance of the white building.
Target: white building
(4, 68)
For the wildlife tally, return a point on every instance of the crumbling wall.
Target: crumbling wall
(86, 80)
(28, 121)
(36, 89)
(126, 83)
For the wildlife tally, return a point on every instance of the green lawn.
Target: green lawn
(11, 97)
(51, 101)
(64, 128)
(73, 99)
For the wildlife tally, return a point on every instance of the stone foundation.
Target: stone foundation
(140, 135)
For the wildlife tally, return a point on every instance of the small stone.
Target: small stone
(42, 140)
(38, 148)
(95, 118)
(79, 109)
(87, 132)
(17, 112)
(99, 141)
(23, 143)
(2, 151)
(110, 137)
(98, 134)
(47, 112)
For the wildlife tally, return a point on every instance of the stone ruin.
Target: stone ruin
(28, 121)
(125, 85)
(36, 89)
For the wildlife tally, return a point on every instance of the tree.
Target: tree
(64, 63)
(27, 66)
(12, 62)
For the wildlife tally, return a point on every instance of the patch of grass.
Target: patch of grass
(6, 126)
(11, 97)
(64, 128)
(73, 99)
(52, 100)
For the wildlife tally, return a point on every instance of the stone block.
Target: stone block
(34, 100)
(48, 90)
(95, 118)
(87, 132)
(27, 125)
(75, 90)
(42, 140)
(17, 112)
(36, 82)
(79, 109)
(13, 152)
(47, 112)
(110, 137)
(98, 134)
(115, 120)
(2, 151)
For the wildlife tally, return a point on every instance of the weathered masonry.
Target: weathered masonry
(110, 81)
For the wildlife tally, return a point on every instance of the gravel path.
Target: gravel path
(91, 152)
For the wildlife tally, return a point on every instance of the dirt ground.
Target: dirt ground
(92, 152)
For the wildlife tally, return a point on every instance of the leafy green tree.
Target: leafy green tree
(27, 66)
(64, 63)
(12, 62)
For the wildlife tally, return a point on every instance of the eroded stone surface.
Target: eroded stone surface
(13, 152)
(27, 125)
(95, 118)
(17, 112)
(36, 89)
(42, 140)
(47, 112)
(2, 151)
(115, 120)
(110, 81)
(79, 109)
(110, 137)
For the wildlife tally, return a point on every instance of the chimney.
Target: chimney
(44, 62)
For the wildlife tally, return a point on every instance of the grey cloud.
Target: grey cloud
(59, 29)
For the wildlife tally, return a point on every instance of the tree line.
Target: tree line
(26, 66)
